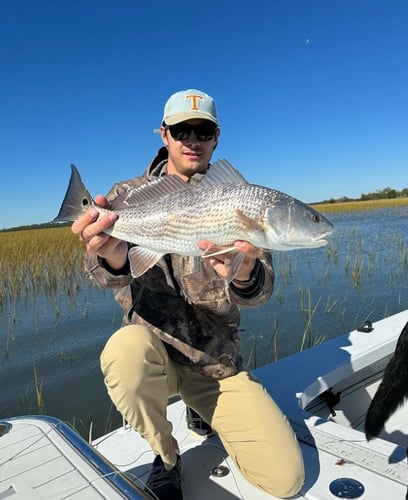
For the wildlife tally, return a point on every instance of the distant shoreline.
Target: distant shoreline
(348, 206)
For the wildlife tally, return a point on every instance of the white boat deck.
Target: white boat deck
(331, 451)
(202, 460)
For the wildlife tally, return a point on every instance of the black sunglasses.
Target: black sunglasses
(182, 131)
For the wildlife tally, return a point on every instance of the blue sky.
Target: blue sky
(311, 95)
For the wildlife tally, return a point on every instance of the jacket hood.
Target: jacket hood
(158, 166)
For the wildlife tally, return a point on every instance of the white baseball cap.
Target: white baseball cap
(187, 105)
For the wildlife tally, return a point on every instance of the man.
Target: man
(180, 333)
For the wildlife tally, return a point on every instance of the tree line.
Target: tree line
(381, 194)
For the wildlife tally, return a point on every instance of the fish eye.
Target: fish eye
(315, 218)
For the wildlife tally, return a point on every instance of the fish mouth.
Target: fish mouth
(327, 233)
(320, 240)
(311, 242)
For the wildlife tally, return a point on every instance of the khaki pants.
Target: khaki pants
(140, 378)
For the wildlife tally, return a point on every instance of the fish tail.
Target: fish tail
(77, 199)
(392, 391)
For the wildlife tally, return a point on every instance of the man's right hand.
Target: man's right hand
(90, 228)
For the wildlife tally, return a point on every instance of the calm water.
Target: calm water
(319, 294)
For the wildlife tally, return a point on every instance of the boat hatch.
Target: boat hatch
(43, 457)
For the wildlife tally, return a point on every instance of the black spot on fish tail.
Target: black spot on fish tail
(77, 199)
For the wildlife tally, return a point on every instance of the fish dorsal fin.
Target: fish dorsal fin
(222, 172)
(141, 260)
(151, 191)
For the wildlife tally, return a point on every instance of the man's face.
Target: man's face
(190, 146)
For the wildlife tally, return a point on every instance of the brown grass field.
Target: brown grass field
(38, 260)
(349, 206)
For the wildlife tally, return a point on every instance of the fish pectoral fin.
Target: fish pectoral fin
(232, 264)
(217, 250)
(141, 260)
(250, 224)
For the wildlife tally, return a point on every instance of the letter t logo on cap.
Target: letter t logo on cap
(194, 101)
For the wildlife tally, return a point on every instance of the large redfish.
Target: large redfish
(169, 215)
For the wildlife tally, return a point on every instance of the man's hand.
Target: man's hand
(221, 263)
(90, 229)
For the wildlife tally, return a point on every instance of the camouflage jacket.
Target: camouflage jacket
(181, 299)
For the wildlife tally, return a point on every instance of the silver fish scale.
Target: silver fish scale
(175, 223)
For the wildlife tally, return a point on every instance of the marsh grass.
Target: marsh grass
(39, 393)
(309, 310)
(39, 260)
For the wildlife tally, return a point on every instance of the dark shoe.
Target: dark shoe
(196, 424)
(165, 484)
